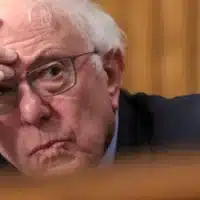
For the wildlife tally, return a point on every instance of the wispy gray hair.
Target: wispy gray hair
(96, 25)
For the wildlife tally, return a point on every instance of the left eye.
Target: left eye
(53, 71)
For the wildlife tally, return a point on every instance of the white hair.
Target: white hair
(94, 24)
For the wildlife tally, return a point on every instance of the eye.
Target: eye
(5, 90)
(52, 71)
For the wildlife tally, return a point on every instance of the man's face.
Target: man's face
(60, 133)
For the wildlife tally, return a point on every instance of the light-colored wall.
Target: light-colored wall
(163, 54)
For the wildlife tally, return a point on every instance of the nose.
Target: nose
(32, 108)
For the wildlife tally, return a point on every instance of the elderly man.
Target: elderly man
(61, 107)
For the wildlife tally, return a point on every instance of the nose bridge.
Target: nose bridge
(30, 104)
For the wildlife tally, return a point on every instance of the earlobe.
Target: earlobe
(113, 66)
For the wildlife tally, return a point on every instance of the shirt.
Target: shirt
(110, 153)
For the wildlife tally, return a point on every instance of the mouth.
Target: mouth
(47, 145)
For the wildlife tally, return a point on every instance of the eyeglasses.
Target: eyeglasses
(47, 80)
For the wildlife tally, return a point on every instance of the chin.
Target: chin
(58, 167)
(63, 169)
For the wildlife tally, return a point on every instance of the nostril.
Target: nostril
(45, 117)
(1, 23)
(45, 113)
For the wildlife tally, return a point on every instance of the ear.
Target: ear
(114, 65)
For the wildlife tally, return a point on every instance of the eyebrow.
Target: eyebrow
(44, 59)
(50, 57)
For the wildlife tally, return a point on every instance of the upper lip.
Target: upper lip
(45, 145)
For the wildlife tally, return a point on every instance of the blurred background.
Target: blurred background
(163, 44)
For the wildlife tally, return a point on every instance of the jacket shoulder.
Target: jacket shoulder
(135, 122)
(168, 122)
(176, 120)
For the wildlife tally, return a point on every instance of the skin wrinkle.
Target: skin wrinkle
(86, 17)
(49, 30)
(30, 41)
(83, 115)
(44, 15)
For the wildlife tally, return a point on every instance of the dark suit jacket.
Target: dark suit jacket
(151, 123)
(155, 123)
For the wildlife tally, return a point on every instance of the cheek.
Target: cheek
(8, 135)
(86, 123)
(86, 112)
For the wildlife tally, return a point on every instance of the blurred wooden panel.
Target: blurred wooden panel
(171, 176)
(163, 44)
(175, 47)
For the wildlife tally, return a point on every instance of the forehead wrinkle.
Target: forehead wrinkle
(34, 15)
(61, 32)
(29, 15)
(63, 38)
(30, 10)
(42, 14)
(35, 35)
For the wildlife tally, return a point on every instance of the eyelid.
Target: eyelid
(51, 63)
(44, 66)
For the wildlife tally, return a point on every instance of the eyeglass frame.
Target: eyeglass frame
(72, 60)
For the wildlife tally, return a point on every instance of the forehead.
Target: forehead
(36, 30)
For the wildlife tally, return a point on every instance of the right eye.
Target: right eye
(5, 90)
